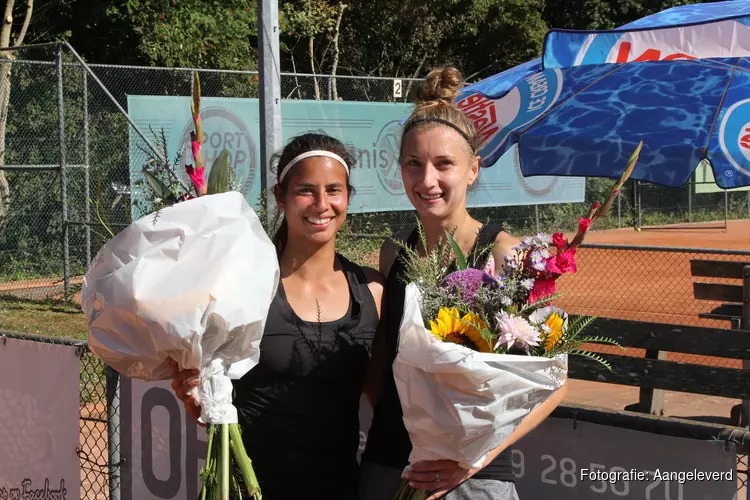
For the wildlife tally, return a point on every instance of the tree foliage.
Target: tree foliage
(399, 38)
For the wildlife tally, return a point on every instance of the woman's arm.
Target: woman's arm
(377, 363)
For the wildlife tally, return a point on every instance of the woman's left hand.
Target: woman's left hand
(437, 476)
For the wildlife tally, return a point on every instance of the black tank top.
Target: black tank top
(299, 407)
(388, 441)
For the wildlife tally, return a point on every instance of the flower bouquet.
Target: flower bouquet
(193, 281)
(479, 349)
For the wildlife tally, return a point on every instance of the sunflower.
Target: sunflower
(553, 322)
(555, 325)
(450, 326)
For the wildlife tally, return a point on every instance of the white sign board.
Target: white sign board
(164, 449)
(564, 460)
(398, 88)
(39, 421)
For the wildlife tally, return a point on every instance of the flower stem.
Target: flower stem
(207, 466)
(243, 462)
(224, 462)
(406, 492)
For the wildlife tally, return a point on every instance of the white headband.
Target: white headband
(309, 154)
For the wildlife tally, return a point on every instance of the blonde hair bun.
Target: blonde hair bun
(440, 85)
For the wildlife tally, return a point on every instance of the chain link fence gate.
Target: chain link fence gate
(69, 144)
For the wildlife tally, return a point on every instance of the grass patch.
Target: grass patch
(51, 319)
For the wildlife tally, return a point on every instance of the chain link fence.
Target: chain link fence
(67, 147)
(98, 470)
(99, 450)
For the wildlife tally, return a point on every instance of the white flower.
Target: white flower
(540, 266)
(528, 283)
(515, 329)
(539, 316)
(544, 238)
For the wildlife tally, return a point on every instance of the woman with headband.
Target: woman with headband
(439, 164)
(299, 407)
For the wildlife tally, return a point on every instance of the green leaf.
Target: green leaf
(591, 355)
(460, 257)
(218, 177)
(157, 186)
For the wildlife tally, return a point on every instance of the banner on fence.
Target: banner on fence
(705, 182)
(39, 420)
(162, 446)
(163, 450)
(568, 460)
(371, 128)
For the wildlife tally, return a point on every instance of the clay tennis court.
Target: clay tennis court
(652, 285)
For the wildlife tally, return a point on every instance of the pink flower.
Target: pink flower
(515, 330)
(583, 224)
(489, 268)
(563, 262)
(596, 205)
(196, 146)
(558, 239)
(543, 287)
(198, 179)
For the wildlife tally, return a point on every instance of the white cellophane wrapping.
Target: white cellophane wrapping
(193, 283)
(460, 404)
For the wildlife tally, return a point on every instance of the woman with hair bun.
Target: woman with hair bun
(439, 164)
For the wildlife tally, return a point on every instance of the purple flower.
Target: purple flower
(528, 284)
(467, 283)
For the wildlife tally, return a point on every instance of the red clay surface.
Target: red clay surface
(648, 285)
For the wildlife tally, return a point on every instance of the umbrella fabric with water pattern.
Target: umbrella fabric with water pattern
(678, 80)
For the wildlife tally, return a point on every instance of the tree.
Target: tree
(406, 38)
(305, 21)
(602, 14)
(7, 40)
(215, 34)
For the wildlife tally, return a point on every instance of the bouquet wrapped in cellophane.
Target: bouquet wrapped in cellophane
(192, 281)
(479, 349)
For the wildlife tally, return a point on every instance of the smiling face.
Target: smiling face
(314, 200)
(437, 168)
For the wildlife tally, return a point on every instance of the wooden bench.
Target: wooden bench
(734, 293)
(654, 373)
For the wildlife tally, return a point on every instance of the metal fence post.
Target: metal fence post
(745, 325)
(63, 175)
(86, 167)
(726, 210)
(113, 432)
(690, 201)
(536, 216)
(640, 207)
(619, 211)
(270, 95)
